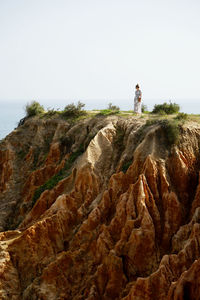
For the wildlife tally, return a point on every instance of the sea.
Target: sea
(11, 112)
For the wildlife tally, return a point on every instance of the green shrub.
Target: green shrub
(74, 111)
(119, 138)
(51, 112)
(169, 127)
(113, 107)
(171, 130)
(33, 109)
(126, 165)
(21, 154)
(165, 108)
(182, 116)
(162, 112)
(144, 108)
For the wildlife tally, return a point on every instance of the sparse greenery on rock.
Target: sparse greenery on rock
(126, 165)
(51, 183)
(171, 130)
(119, 138)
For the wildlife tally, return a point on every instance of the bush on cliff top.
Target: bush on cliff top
(34, 109)
(74, 111)
(166, 108)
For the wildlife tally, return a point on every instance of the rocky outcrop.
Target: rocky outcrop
(5, 168)
(104, 208)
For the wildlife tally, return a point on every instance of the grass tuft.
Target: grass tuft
(108, 112)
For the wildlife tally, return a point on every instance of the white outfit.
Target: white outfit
(137, 104)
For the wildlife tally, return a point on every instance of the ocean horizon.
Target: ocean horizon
(12, 111)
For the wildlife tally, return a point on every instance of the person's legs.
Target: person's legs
(137, 107)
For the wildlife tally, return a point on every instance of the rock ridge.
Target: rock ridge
(102, 208)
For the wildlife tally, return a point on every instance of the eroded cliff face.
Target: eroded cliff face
(100, 209)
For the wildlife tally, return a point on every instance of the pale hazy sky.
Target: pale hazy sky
(99, 49)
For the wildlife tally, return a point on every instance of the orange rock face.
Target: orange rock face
(95, 231)
(5, 168)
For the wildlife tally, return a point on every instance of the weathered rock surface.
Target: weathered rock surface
(100, 209)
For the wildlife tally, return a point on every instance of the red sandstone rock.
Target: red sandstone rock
(105, 234)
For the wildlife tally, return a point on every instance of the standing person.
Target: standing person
(138, 100)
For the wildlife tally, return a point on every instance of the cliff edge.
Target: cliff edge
(103, 208)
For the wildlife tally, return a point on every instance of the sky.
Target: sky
(97, 50)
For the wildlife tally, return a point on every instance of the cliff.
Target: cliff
(103, 208)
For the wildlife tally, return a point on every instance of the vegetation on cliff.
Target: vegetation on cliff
(34, 109)
(74, 111)
(165, 108)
